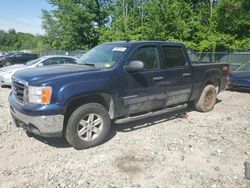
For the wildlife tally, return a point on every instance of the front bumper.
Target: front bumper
(46, 126)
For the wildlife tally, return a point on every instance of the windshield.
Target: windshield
(34, 61)
(244, 67)
(103, 56)
(9, 54)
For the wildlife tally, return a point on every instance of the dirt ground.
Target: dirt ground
(163, 150)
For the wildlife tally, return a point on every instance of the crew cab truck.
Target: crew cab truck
(111, 81)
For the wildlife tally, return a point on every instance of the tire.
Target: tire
(88, 126)
(7, 63)
(207, 99)
(29, 134)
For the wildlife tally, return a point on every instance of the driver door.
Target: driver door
(144, 90)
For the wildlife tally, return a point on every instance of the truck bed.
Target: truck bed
(202, 71)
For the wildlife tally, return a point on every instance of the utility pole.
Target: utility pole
(123, 9)
(211, 10)
(142, 10)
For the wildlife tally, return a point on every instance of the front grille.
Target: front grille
(18, 90)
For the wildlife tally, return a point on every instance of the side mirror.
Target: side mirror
(40, 65)
(134, 66)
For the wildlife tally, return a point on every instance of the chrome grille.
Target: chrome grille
(18, 89)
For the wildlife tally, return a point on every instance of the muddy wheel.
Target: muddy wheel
(207, 99)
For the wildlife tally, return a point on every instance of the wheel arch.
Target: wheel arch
(213, 81)
(106, 100)
(8, 60)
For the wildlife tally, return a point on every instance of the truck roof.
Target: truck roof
(146, 41)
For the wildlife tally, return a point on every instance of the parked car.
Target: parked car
(6, 55)
(7, 72)
(111, 81)
(17, 58)
(240, 78)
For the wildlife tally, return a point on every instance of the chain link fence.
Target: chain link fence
(64, 52)
(235, 59)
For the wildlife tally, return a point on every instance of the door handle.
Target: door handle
(186, 74)
(158, 78)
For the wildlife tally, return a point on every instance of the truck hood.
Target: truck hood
(48, 73)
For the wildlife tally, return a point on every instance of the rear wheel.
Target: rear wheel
(88, 126)
(207, 99)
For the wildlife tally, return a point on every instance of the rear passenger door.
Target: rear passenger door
(24, 58)
(178, 74)
(19, 58)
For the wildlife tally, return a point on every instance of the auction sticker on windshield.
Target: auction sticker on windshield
(119, 49)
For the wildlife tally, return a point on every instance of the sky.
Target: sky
(23, 15)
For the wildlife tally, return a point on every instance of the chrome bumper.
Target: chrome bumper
(47, 126)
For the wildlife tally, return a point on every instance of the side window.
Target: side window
(35, 56)
(174, 56)
(67, 60)
(26, 56)
(51, 61)
(148, 55)
(29, 56)
(18, 55)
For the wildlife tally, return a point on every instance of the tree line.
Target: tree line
(203, 25)
(15, 41)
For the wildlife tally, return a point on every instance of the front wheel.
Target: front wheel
(88, 126)
(207, 99)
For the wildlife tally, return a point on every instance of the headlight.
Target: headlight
(39, 95)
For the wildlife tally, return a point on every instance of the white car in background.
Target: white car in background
(7, 72)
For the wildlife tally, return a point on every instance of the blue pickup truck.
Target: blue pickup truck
(111, 81)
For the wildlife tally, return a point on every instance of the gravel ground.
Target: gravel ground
(163, 150)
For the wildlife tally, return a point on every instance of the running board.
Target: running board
(166, 110)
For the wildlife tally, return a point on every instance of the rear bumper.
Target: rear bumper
(5, 79)
(46, 126)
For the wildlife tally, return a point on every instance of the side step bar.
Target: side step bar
(166, 110)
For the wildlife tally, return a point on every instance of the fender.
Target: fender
(210, 77)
